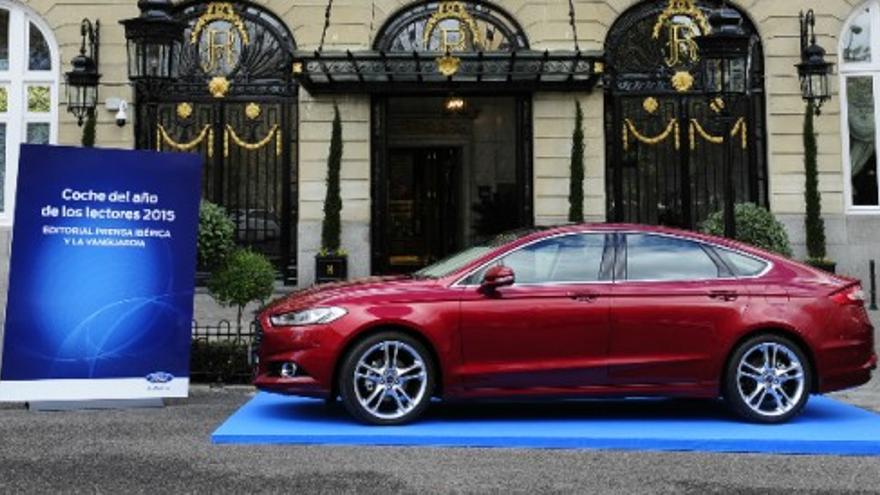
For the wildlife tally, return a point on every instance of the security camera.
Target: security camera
(122, 115)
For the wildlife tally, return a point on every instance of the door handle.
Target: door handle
(583, 296)
(724, 295)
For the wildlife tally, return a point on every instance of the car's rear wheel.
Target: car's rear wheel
(768, 379)
(387, 379)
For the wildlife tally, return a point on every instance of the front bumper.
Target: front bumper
(307, 347)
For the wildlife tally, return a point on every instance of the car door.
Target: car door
(549, 329)
(672, 303)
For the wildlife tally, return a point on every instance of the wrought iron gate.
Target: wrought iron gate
(234, 103)
(665, 154)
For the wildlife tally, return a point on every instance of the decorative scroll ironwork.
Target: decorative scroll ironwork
(274, 133)
(629, 129)
(207, 132)
(741, 127)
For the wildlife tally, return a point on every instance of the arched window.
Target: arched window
(859, 91)
(28, 92)
(435, 26)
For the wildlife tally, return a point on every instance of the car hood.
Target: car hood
(398, 288)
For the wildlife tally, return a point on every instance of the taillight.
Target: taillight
(850, 296)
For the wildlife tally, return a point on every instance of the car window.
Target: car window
(742, 265)
(571, 258)
(654, 257)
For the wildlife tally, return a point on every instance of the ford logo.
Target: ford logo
(160, 377)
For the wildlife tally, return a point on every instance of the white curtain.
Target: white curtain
(861, 123)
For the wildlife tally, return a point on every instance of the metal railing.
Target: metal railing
(221, 353)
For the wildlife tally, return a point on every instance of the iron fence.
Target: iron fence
(223, 352)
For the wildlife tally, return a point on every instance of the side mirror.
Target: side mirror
(498, 276)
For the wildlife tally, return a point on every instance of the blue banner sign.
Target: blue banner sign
(102, 275)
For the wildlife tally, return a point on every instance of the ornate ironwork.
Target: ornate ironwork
(253, 177)
(659, 182)
(412, 29)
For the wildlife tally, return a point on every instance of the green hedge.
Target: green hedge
(754, 225)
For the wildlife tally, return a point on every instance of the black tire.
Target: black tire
(349, 392)
(734, 387)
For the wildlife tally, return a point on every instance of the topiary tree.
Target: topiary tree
(813, 223)
(754, 225)
(331, 227)
(216, 236)
(576, 185)
(88, 136)
(246, 277)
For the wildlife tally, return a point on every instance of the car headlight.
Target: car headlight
(312, 316)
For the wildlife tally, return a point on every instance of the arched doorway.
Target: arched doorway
(664, 157)
(451, 161)
(235, 103)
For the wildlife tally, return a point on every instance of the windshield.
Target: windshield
(452, 264)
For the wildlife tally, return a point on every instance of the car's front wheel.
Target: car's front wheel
(768, 379)
(387, 379)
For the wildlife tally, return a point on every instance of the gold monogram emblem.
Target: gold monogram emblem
(220, 34)
(682, 22)
(458, 29)
(458, 32)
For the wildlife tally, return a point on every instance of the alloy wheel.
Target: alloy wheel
(390, 380)
(770, 379)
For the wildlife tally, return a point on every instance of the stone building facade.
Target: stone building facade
(508, 148)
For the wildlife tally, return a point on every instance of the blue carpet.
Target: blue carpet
(825, 427)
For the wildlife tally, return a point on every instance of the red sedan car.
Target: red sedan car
(576, 311)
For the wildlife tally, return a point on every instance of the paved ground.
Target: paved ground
(169, 451)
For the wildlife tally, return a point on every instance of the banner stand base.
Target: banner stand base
(81, 405)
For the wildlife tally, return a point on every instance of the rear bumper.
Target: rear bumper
(850, 378)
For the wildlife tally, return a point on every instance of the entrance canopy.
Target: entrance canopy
(415, 72)
(444, 46)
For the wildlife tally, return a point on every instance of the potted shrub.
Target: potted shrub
(814, 225)
(216, 239)
(331, 263)
(245, 277)
(754, 225)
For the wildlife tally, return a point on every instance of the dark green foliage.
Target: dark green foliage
(331, 227)
(576, 188)
(814, 224)
(216, 236)
(219, 362)
(754, 225)
(245, 277)
(88, 137)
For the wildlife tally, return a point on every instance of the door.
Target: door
(422, 206)
(665, 147)
(235, 104)
(673, 302)
(548, 330)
